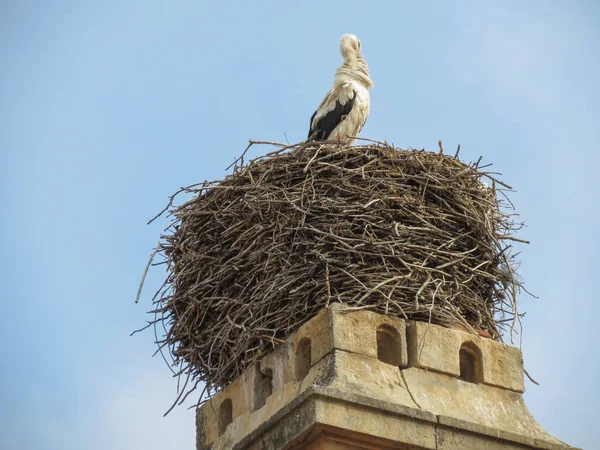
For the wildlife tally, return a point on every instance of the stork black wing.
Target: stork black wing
(312, 130)
(323, 128)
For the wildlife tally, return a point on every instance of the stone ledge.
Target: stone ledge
(321, 437)
(463, 425)
(416, 380)
(363, 421)
(336, 410)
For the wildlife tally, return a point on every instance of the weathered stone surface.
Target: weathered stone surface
(375, 422)
(319, 331)
(433, 348)
(320, 438)
(475, 404)
(356, 331)
(450, 439)
(350, 399)
(371, 378)
(290, 424)
(503, 366)
(279, 363)
(437, 348)
(246, 421)
(451, 423)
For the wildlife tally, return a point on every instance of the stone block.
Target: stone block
(434, 348)
(319, 331)
(473, 407)
(377, 423)
(451, 439)
(437, 348)
(369, 377)
(503, 366)
(356, 332)
(279, 363)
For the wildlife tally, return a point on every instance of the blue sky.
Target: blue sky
(107, 108)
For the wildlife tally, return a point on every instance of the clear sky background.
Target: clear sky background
(108, 107)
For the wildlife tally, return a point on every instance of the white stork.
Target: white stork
(345, 108)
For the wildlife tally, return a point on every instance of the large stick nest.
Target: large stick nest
(251, 258)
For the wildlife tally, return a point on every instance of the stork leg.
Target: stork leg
(342, 141)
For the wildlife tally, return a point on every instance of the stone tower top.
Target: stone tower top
(355, 379)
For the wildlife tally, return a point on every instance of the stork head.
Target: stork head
(350, 47)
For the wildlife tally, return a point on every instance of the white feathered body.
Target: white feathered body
(346, 89)
(344, 110)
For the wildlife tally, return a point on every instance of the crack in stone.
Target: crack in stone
(407, 388)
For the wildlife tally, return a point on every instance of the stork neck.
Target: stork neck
(355, 69)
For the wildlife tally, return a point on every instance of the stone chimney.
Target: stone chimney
(355, 379)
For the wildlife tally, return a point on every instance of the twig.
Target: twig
(530, 378)
(327, 284)
(358, 138)
(241, 157)
(139, 291)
